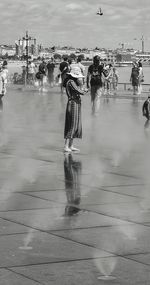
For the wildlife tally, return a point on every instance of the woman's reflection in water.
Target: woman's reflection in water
(1, 105)
(72, 173)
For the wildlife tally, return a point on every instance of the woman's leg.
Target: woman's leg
(67, 146)
(71, 146)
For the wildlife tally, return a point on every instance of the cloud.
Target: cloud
(51, 20)
(73, 6)
(115, 17)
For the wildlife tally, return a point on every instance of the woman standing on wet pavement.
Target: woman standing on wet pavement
(73, 124)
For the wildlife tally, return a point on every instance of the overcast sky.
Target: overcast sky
(74, 22)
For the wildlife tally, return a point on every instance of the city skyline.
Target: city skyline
(75, 23)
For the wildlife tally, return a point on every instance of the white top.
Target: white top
(4, 75)
(31, 68)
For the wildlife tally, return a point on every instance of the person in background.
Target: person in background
(42, 74)
(94, 80)
(108, 79)
(73, 123)
(31, 72)
(70, 64)
(50, 72)
(5, 70)
(4, 76)
(2, 82)
(82, 68)
(63, 67)
(134, 78)
(115, 78)
(141, 77)
(24, 71)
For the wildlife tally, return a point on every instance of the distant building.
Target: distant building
(21, 46)
(144, 57)
(123, 57)
(7, 50)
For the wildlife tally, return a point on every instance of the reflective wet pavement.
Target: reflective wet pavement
(80, 218)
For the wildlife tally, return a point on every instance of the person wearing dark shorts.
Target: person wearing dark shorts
(94, 81)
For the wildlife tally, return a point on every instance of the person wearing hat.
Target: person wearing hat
(146, 108)
(94, 80)
(73, 124)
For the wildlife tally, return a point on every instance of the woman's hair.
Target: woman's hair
(69, 60)
(4, 62)
(96, 60)
(140, 64)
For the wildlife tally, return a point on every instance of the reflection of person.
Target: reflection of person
(146, 108)
(134, 78)
(94, 79)
(73, 124)
(1, 105)
(72, 173)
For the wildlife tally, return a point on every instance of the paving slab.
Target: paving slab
(125, 271)
(8, 277)
(38, 248)
(18, 201)
(131, 190)
(141, 258)
(120, 240)
(113, 156)
(105, 179)
(137, 212)
(7, 227)
(55, 218)
(87, 196)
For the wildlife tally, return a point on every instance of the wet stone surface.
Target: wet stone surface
(73, 218)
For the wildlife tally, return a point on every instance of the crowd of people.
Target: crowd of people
(44, 73)
(103, 75)
(100, 79)
(73, 79)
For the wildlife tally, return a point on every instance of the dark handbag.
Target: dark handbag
(38, 75)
